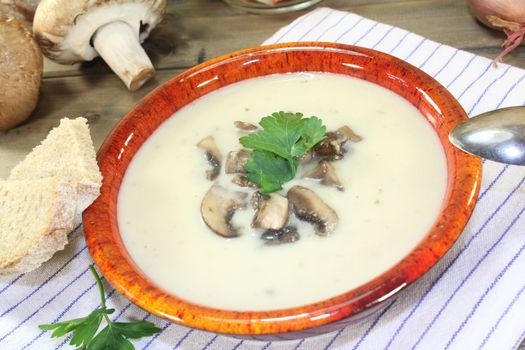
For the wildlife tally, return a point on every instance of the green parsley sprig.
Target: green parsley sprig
(115, 335)
(277, 148)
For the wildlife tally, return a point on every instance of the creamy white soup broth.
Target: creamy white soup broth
(394, 181)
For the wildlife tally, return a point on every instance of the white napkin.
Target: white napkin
(473, 299)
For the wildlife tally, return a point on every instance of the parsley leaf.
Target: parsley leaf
(114, 336)
(280, 133)
(285, 137)
(268, 170)
(312, 132)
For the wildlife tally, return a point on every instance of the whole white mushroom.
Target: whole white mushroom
(73, 31)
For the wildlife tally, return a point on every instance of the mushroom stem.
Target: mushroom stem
(119, 46)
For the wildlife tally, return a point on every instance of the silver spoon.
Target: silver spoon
(496, 135)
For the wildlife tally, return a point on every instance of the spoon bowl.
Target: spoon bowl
(496, 135)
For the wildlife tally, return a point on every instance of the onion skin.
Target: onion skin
(499, 14)
(504, 15)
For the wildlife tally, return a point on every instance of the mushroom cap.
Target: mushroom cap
(21, 66)
(272, 213)
(213, 155)
(218, 207)
(325, 173)
(64, 28)
(308, 206)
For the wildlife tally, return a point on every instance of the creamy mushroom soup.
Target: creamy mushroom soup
(393, 183)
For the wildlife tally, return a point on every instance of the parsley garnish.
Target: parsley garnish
(277, 148)
(115, 335)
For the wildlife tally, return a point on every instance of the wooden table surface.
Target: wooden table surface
(196, 30)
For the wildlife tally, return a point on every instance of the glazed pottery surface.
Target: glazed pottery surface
(433, 101)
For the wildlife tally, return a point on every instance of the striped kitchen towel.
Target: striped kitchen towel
(473, 299)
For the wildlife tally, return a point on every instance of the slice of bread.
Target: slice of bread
(35, 217)
(67, 152)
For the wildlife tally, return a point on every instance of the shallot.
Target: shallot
(505, 15)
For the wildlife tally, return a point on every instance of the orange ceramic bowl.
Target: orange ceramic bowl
(434, 102)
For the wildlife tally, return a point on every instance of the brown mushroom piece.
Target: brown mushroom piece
(243, 181)
(244, 127)
(306, 158)
(287, 234)
(213, 155)
(257, 199)
(331, 147)
(21, 66)
(74, 31)
(218, 207)
(308, 206)
(350, 134)
(324, 172)
(271, 213)
(235, 161)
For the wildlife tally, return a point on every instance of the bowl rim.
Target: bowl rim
(102, 236)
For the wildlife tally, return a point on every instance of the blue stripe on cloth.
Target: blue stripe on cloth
(462, 283)
(505, 312)
(315, 26)
(333, 26)
(492, 285)
(45, 304)
(43, 283)
(372, 325)
(430, 56)
(152, 339)
(188, 333)
(212, 340)
(293, 25)
(510, 90)
(415, 49)
(474, 81)
(122, 311)
(451, 263)
(266, 346)
(238, 345)
(399, 42)
(487, 89)
(446, 63)
(366, 33)
(13, 281)
(463, 70)
(298, 345)
(349, 29)
(183, 339)
(333, 339)
(493, 182)
(382, 38)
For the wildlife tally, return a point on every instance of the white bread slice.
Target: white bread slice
(66, 152)
(35, 217)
